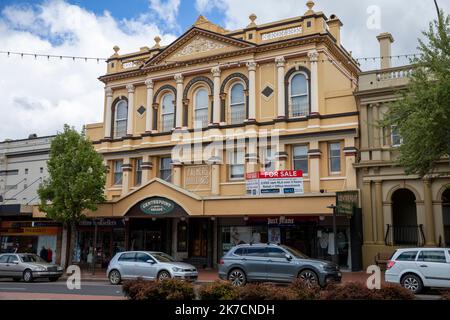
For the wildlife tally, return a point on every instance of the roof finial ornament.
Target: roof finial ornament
(157, 42)
(116, 50)
(310, 4)
(252, 18)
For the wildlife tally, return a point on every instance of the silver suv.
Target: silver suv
(275, 263)
(419, 268)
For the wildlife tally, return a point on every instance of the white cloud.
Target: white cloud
(404, 19)
(166, 11)
(40, 96)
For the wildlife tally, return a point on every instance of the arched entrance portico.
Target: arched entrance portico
(160, 224)
(404, 229)
(446, 215)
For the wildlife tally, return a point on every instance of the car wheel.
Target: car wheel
(28, 276)
(309, 277)
(164, 275)
(413, 283)
(237, 277)
(114, 277)
(53, 279)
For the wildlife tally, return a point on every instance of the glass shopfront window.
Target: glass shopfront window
(234, 235)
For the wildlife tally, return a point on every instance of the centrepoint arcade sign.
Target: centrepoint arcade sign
(267, 183)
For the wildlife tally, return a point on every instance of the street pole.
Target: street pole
(94, 253)
(437, 8)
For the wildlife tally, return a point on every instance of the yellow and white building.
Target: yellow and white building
(267, 97)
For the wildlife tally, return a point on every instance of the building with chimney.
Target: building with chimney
(398, 210)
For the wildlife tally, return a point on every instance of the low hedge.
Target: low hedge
(169, 289)
(359, 291)
(445, 295)
(266, 291)
(219, 290)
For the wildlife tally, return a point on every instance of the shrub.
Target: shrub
(169, 289)
(393, 292)
(445, 295)
(303, 292)
(266, 291)
(347, 291)
(219, 290)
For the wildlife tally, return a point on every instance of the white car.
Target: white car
(419, 268)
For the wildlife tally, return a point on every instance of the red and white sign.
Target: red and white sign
(281, 182)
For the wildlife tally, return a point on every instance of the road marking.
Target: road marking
(10, 288)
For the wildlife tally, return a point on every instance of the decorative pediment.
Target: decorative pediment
(197, 43)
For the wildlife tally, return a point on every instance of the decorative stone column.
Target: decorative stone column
(314, 155)
(366, 205)
(179, 101)
(281, 99)
(314, 58)
(350, 153)
(251, 91)
(375, 129)
(379, 212)
(130, 89)
(126, 171)
(215, 178)
(216, 95)
(147, 166)
(429, 216)
(149, 106)
(108, 112)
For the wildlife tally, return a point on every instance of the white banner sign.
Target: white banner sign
(275, 183)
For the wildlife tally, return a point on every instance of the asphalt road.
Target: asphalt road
(90, 288)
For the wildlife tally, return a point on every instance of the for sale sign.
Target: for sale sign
(275, 182)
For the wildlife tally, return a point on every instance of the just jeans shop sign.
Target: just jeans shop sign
(157, 206)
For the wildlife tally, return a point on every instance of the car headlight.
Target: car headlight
(39, 269)
(59, 269)
(175, 269)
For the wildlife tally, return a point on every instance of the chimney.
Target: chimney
(385, 40)
(334, 25)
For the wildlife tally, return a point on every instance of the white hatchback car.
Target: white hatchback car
(418, 268)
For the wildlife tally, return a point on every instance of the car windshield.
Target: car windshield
(295, 252)
(162, 257)
(31, 258)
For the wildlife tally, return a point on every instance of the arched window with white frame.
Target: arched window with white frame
(120, 118)
(167, 112)
(201, 108)
(237, 104)
(299, 95)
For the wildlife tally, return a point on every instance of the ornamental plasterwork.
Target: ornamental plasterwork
(199, 45)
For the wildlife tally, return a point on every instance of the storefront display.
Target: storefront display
(30, 237)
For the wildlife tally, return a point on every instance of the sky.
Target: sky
(40, 96)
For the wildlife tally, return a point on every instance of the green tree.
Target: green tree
(422, 111)
(76, 181)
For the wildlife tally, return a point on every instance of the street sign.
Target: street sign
(346, 202)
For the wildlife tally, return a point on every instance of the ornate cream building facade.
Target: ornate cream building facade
(399, 210)
(268, 97)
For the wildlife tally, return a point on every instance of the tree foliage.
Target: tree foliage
(76, 178)
(422, 111)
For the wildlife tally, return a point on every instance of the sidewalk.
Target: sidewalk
(211, 275)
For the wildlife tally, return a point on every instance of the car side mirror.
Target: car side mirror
(288, 257)
(151, 261)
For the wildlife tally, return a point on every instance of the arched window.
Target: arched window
(201, 108)
(120, 119)
(237, 104)
(298, 95)
(167, 112)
